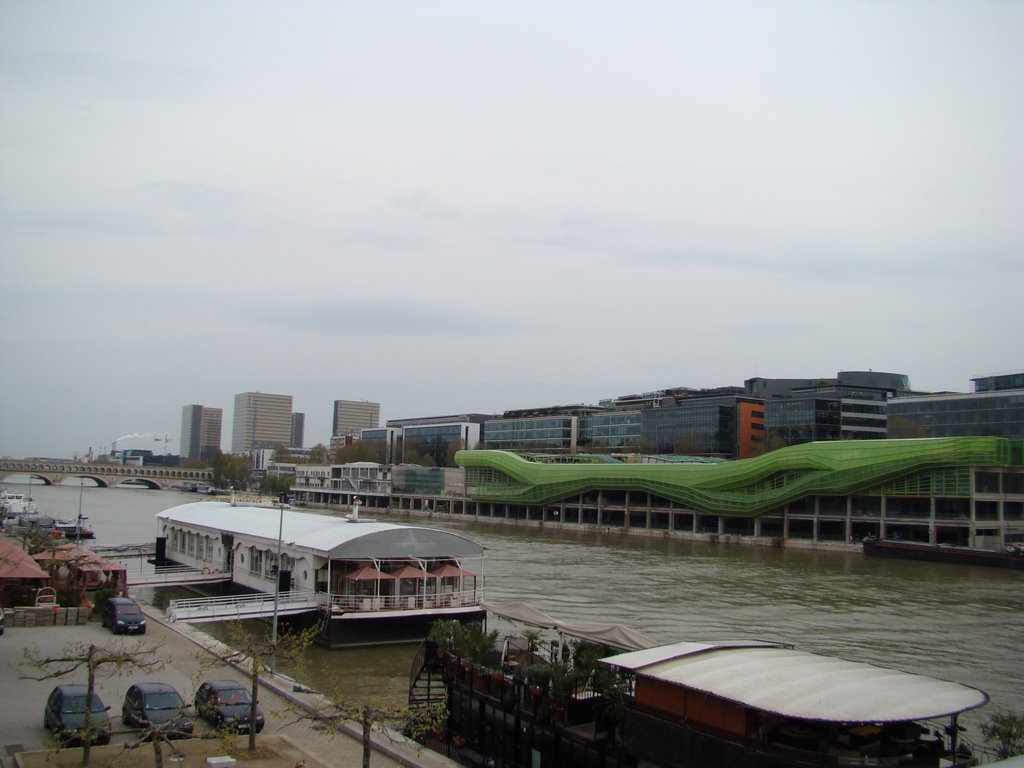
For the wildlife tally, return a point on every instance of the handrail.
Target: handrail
(371, 603)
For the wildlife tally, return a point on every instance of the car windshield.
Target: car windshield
(75, 705)
(233, 696)
(163, 700)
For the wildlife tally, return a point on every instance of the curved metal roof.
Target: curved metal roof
(334, 537)
(791, 683)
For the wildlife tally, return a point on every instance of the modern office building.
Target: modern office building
(851, 406)
(719, 422)
(200, 431)
(261, 420)
(298, 430)
(353, 416)
(726, 425)
(996, 407)
(437, 436)
(388, 439)
(554, 429)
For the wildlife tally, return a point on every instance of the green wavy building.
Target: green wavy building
(967, 490)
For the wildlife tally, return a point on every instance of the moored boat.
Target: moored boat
(742, 703)
(369, 582)
(1011, 556)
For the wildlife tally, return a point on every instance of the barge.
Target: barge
(1011, 556)
(368, 582)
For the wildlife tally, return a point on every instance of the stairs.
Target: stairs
(426, 678)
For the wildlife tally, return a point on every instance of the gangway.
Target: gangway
(174, 575)
(237, 607)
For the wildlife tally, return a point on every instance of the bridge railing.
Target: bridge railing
(172, 574)
(240, 606)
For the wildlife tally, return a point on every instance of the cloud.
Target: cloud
(358, 316)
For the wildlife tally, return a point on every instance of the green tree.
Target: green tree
(1005, 733)
(77, 656)
(902, 427)
(230, 470)
(318, 454)
(361, 450)
(275, 485)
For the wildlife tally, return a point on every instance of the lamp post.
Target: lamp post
(277, 587)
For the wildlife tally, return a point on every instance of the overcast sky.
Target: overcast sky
(451, 207)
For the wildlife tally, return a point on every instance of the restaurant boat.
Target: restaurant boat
(370, 582)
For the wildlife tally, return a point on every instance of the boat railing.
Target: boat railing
(348, 603)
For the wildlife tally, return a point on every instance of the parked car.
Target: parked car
(225, 704)
(157, 704)
(124, 616)
(3, 621)
(64, 716)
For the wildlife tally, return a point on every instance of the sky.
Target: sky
(466, 207)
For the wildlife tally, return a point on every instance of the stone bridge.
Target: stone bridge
(104, 475)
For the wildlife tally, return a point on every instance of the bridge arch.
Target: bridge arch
(104, 475)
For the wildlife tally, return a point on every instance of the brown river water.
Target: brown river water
(960, 623)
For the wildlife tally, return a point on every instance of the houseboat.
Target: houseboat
(767, 704)
(370, 582)
(743, 703)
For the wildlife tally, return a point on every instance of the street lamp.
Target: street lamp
(277, 586)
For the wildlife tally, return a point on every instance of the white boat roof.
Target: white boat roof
(335, 537)
(778, 679)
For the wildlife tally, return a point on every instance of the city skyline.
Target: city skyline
(495, 207)
(243, 400)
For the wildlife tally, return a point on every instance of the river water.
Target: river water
(960, 623)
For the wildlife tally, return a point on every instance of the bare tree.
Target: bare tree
(258, 653)
(411, 721)
(74, 657)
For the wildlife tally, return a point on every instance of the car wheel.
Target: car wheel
(124, 717)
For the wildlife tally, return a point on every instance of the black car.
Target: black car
(226, 705)
(65, 712)
(124, 616)
(157, 704)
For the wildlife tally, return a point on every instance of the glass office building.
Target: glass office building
(998, 413)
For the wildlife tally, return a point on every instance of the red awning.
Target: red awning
(448, 570)
(15, 563)
(79, 557)
(408, 572)
(367, 573)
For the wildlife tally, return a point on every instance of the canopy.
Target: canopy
(16, 563)
(783, 681)
(612, 635)
(79, 557)
(367, 573)
(448, 570)
(408, 572)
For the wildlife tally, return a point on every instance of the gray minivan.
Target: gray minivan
(123, 616)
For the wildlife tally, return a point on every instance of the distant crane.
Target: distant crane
(165, 440)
